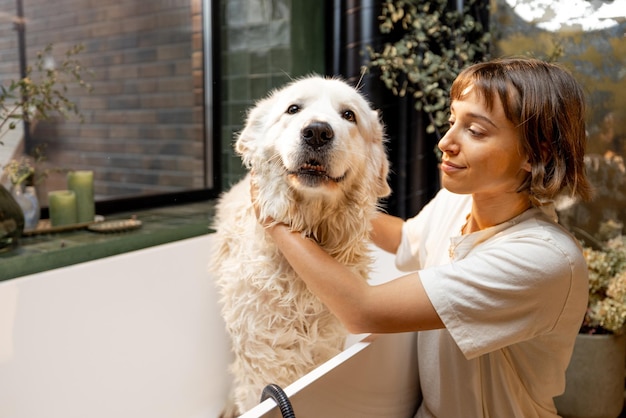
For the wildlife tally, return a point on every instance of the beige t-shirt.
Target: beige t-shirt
(512, 298)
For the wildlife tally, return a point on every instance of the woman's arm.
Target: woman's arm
(387, 232)
(396, 306)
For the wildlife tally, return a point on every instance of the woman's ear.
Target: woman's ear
(545, 156)
(542, 157)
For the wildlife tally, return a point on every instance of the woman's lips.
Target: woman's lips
(448, 167)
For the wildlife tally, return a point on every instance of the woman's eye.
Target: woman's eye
(293, 109)
(349, 116)
(474, 132)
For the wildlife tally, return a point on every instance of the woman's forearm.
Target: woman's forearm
(338, 288)
(396, 306)
(387, 232)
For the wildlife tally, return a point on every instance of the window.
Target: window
(147, 127)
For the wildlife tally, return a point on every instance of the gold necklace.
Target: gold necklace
(462, 234)
(466, 224)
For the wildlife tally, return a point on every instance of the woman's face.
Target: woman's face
(482, 154)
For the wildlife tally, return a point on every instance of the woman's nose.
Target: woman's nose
(448, 144)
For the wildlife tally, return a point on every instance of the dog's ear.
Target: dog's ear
(248, 139)
(379, 154)
(384, 189)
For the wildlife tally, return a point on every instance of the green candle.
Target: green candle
(62, 207)
(81, 183)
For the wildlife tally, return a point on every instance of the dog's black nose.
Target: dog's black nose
(317, 134)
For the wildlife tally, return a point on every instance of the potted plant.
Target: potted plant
(39, 95)
(595, 376)
(22, 175)
(606, 313)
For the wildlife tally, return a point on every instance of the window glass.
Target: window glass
(263, 45)
(146, 128)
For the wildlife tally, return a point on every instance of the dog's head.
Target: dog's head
(320, 135)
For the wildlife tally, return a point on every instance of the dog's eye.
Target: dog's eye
(349, 116)
(293, 109)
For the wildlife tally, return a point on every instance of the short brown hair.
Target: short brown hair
(547, 105)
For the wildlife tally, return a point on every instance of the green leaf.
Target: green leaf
(434, 44)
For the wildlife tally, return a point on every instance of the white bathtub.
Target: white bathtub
(139, 335)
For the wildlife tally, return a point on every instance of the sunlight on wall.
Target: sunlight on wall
(555, 15)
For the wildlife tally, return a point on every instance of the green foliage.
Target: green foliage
(436, 43)
(606, 312)
(43, 91)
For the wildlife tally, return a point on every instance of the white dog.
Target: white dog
(317, 151)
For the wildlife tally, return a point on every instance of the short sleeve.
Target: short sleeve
(507, 290)
(407, 256)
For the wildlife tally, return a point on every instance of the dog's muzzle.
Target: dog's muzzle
(317, 134)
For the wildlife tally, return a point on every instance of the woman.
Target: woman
(498, 289)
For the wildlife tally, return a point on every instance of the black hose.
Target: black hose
(280, 397)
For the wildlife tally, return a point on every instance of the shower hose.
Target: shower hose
(280, 397)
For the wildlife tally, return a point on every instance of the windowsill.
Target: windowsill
(159, 226)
